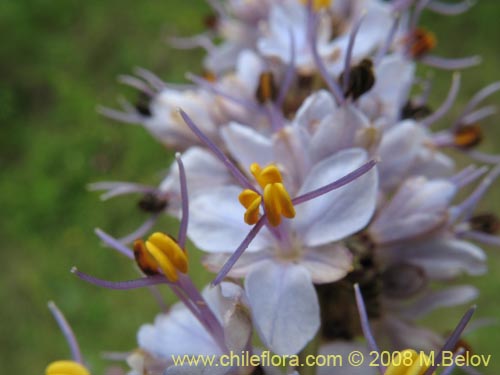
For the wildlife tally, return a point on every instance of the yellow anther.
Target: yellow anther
(266, 90)
(277, 203)
(408, 362)
(318, 4)
(268, 175)
(171, 249)
(144, 259)
(276, 199)
(161, 251)
(66, 368)
(251, 201)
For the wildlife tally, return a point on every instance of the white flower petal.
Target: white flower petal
(398, 151)
(249, 260)
(162, 338)
(337, 132)
(316, 107)
(419, 207)
(340, 212)
(216, 222)
(404, 335)
(247, 146)
(457, 295)
(328, 263)
(202, 169)
(441, 258)
(284, 306)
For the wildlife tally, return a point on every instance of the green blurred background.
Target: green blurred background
(59, 60)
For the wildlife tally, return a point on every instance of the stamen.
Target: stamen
(467, 175)
(67, 332)
(192, 42)
(311, 33)
(151, 78)
(185, 202)
(239, 251)
(468, 136)
(415, 367)
(121, 116)
(447, 104)
(421, 42)
(169, 257)
(276, 199)
(453, 339)
(121, 285)
(361, 79)
(478, 115)
(317, 5)
(266, 90)
(114, 243)
(348, 56)
(141, 231)
(152, 203)
(480, 96)
(483, 157)
(487, 223)
(388, 42)
(467, 206)
(251, 201)
(119, 188)
(365, 324)
(336, 184)
(268, 175)
(209, 86)
(400, 5)
(277, 203)
(289, 73)
(144, 259)
(451, 9)
(66, 368)
(217, 152)
(484, 238)
(451, 64)
(448, 370)
(136, 83)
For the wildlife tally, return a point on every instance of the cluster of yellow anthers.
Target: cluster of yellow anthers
(66, 368)
(277, 201)
(161, 252)
(318, 4)
(408, 362)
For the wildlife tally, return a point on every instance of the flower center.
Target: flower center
(163, 252)
(277, 201)
(66, 368)
(409, 362)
